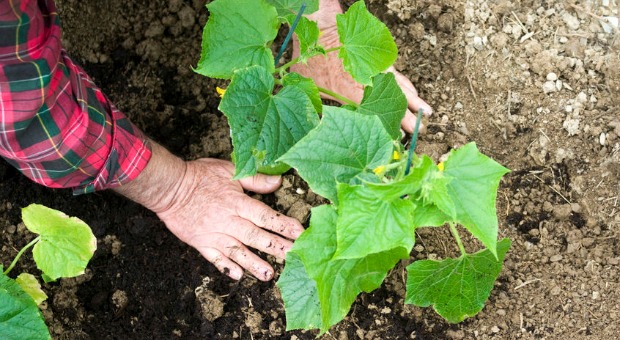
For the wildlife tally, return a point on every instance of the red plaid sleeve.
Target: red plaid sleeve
(56, 126)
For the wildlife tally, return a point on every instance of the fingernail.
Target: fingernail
(273, 179)
(236, 275)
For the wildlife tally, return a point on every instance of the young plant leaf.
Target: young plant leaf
(338, 282)
(457, 288)
(238, 34)
(66, 245)
(308, 36)
(264, 126)
(288, 7)
(385, 99)
(307, 85)
(368, 47)
(32, 287)
(473, 189)
(369, 223)
(20, 318)
(300, 295)
(344, 146)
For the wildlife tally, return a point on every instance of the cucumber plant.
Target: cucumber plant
(351, 155)
(62, 249)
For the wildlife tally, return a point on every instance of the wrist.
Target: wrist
(157, 187)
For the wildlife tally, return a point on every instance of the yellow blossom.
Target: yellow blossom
(380, 170)
(220, 91)
(440, 166)
(396, 156)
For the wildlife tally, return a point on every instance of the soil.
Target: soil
(536, 83)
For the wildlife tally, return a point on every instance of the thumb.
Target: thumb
(262, 184)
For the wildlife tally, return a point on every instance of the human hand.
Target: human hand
(203, 207)
(329, 73)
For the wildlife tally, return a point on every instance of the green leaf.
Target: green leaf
(369, 223)
(66, 245)
(307, 85)
(429, 216)
(345, 145)
(338, 282)
(264, 126)
(300, 295)
(287, 7)
(368, 47)
(385, 99)
(473, 189)
(238, 34)
(20, 317)
(308, 36)
(31, 286)
(457, 288)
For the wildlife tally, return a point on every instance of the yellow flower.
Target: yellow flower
(440, 166)
(396, 156)
(380, 170)
(220, 91)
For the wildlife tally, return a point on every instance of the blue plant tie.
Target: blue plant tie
(414, 140)
(290, 33)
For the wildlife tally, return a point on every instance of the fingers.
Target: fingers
(229, 255)
(262, 184)
(263, 216)
(251, 235)
(415, 103)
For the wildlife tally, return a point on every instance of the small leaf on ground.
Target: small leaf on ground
(369, 223)
(473, 189)
(287, 7)
(237, 34)
(385, 99)
(32, 287)
(264, 126)
(20, 318)
(368, 47)
(66, 244)
(457, 288)
(338, 282)
(345, 145)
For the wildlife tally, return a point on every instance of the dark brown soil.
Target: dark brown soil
(535, 83)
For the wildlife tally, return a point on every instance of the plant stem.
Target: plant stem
(287, 65)
(455, 233)
(19, 254)
(333, 49)
(338, 96)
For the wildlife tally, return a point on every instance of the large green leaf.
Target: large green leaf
(338, 282)
(473, 189)
(238, 34)
(66, 244)
(32, 287)
(369, 223)
(344, 146)
(287, 7)
(385, 99)
(307, 85)
(20, 317)
(457, 288)
(264, 126)
(300, 295)
(368, 47)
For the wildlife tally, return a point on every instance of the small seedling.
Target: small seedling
(380, 192)
(62, 249)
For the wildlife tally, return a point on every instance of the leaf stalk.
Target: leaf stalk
(20, 253)
(455, 233)
(338, 97)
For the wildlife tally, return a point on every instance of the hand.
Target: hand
(329, 73)
(204, 208)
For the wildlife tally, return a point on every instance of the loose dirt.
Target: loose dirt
(535, 83)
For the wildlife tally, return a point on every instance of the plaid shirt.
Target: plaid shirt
(56, 126)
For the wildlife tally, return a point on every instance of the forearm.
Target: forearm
(160, 181)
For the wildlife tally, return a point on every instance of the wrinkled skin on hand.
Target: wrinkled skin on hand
(329, 73)
(214, 215)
